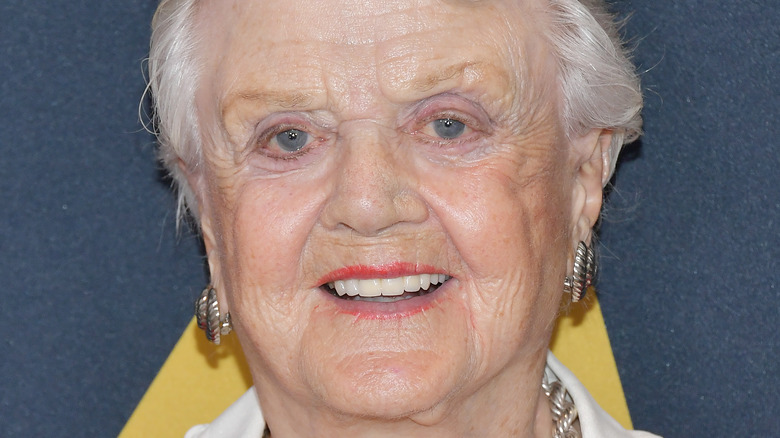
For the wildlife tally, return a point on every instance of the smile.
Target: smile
(386, 289)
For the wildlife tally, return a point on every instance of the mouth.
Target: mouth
(385, 290)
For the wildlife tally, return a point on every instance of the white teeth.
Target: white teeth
(352, 287)
(411, 283)
(392, 287)
(425, 281)
(370, 288)
(388, 287)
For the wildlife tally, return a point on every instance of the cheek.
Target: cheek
(511, 232)
(265, 226)
(498, 219)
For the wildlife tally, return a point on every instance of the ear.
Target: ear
(592, 170)
(197, 183)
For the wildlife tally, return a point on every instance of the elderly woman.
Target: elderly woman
(395, 197)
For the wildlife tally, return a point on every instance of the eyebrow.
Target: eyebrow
(430, 81)
(280, 99)
(296, 99)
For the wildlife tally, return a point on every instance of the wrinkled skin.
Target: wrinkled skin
(499, 207)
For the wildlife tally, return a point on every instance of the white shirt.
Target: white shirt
(243, 419)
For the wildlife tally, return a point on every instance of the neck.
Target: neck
(511, 404)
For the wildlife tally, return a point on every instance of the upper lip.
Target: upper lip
(389, 270)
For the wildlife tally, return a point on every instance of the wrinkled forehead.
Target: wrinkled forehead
(346, 22)
(398, 45)
(355, 22)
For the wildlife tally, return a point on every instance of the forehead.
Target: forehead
(287, 52)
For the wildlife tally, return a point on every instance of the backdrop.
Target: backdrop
(97, 285)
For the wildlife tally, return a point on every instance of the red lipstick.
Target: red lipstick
(366, 272)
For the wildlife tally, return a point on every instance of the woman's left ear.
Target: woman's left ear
(592, 172)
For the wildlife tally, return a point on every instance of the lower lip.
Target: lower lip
(383, 311)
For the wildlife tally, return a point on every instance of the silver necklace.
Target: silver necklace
(564, 412)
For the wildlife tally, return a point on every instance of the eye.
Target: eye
(448, 129)
(292, 140)
(289, 140)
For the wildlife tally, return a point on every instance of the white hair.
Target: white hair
(173, 78)
(599, 83)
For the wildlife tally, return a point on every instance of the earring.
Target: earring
(584, 269)
(209, 319)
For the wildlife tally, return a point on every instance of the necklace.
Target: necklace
(564, 412)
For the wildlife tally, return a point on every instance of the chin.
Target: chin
(391, 387)
(389, 367)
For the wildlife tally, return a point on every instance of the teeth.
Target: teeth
(425, 281)
(368, 288)
(387, 287)
(352, 288)
(392, 287)
(411, 283)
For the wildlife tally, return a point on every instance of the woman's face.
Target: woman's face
(374, 145)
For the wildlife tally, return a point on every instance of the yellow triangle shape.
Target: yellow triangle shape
(199, 380)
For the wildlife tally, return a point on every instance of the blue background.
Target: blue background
(97, 286)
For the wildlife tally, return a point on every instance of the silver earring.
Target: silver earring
(582, 277)
(208, 316)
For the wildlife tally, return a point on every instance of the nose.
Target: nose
(374, 187)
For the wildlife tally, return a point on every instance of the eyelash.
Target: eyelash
(470, 123)
(264, 140)
(263, 143)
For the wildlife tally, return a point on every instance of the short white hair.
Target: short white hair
(599, 83)
(174, 72)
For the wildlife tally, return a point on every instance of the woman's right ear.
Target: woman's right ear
(212, 256)
(204, 220)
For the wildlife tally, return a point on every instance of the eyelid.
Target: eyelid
(275, 124)
(266, 155)
(452, 106)
(474, 128)
(469, 121)
(303, 121)
(275, 130)
(262, 143)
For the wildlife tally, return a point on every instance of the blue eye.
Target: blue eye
(448, 128)
(292, 140)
